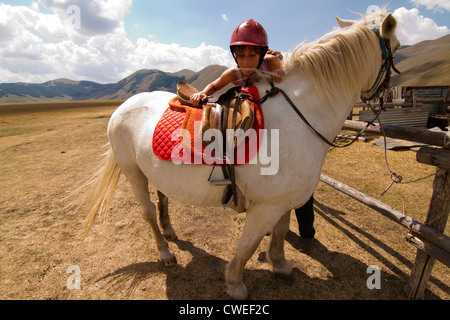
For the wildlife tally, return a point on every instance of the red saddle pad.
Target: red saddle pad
(177, 135)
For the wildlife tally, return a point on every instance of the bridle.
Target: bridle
(384, 76)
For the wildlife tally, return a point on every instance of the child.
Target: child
(249, 47)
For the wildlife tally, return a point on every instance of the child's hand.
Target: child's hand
(273, 62)
(197, 98)
(275, 53)
(277, 76)
(276, 79)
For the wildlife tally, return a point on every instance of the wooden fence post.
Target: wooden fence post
(437, 218)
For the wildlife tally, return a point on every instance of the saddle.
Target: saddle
(229, 111)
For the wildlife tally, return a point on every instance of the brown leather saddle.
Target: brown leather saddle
(233, 111)
(229, 111)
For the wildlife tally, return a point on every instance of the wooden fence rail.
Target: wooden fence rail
(424, 232)
(428, 237)
(436, 138)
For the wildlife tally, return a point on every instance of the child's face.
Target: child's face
(248, 58)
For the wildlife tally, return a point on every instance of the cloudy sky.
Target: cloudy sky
(107, 40)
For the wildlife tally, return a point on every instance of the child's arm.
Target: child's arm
(273, 63)
(227, 77)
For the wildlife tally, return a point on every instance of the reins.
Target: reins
(380, 86)
(274, 91)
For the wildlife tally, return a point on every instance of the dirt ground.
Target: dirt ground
(47, 152)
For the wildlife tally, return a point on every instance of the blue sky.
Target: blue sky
(287, 22)
(105, 41)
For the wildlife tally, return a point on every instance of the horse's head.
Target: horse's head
(382, 21)
(348, 60)
(384, 25)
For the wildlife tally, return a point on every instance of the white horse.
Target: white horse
(323, 79)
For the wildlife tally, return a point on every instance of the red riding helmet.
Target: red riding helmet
(250, 33)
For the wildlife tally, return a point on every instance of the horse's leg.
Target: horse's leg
(139, 182)
(275, 250)
(259, 221)
(164, 219)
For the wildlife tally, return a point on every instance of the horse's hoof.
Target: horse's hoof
(282, 267)
(283, 271)
(169, 261)
(238, 292)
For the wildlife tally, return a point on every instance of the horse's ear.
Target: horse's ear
(388, 26)
(343, 23)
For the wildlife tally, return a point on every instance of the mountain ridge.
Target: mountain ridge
(144, 80)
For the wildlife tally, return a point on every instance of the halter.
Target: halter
(384, 76)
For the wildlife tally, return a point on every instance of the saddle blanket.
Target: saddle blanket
(177, 136)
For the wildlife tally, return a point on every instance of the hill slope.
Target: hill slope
(141, 81)
(424, 64)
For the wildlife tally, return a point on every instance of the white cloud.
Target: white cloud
(437, 5)
(224, 17)
(414, 27)
(38, 47)
(173, 57)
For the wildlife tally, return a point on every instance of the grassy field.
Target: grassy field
(49, 149)
(19, 108)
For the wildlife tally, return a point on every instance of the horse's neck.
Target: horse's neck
(338, 78)
(326, 118)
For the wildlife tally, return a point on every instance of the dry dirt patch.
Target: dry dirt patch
(45, 153)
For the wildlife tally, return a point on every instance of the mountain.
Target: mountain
(424, 64)
(141, 81)
(55, 90)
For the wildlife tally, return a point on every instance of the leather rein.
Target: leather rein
(380, 86)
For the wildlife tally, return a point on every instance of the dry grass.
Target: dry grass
(47, 152)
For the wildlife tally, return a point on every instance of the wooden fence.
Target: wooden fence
(411, 107)
(409, 117)
(428, 237)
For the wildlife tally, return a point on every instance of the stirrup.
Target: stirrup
(219, 182)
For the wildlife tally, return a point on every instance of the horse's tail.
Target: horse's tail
(102, 186)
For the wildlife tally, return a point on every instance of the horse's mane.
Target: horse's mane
(334, 62)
